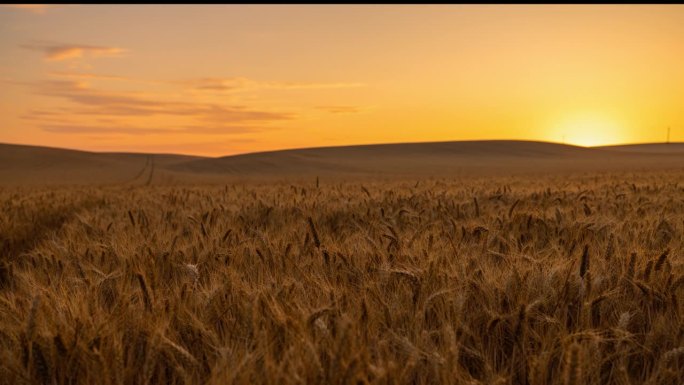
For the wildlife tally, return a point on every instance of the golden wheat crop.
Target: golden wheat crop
(529, 280)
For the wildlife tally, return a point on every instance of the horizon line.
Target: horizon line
(341, 146)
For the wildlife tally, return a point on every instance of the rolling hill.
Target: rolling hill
(30, 165)
(434, 158)
(652, 148)
(36, 165)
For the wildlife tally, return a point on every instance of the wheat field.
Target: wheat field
(508, 280)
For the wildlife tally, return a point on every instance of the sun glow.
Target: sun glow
(590, 130)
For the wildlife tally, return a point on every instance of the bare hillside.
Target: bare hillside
(32, 165)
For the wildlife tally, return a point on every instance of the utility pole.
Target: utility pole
(668, 134)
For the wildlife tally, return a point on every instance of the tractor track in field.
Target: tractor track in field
(20, 240)
(147, 169)
(17, 241)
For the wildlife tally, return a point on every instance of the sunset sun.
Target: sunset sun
(590, 130)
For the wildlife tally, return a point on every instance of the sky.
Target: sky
(226, 79)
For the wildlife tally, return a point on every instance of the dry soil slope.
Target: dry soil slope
(436, 158)
(35, 165)
(32, 165)
(650, 148)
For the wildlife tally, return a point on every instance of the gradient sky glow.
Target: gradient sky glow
(226, 79)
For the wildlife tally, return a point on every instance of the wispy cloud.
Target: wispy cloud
(33, 8)
(92, 108)
(121, 129)
(100, 102)
(99, 129)
(339, 109)
(98, 111)
(60, 52)
(83, 75)
(241, 84)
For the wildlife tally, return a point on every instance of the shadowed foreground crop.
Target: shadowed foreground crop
(558, 280)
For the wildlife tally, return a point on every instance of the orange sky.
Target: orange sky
(226, 79)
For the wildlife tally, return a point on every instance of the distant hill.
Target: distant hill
(653, 148)
(434, 158)
(32, 165)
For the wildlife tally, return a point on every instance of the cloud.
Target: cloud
(33, 8)
(82, 75)
(339, 109)
(241, 84)
(105, 112)
(224, 130)
(96, 111)
(96, 129)
(40, 115)
(66, 128)
(99, 102)
(60, 52)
